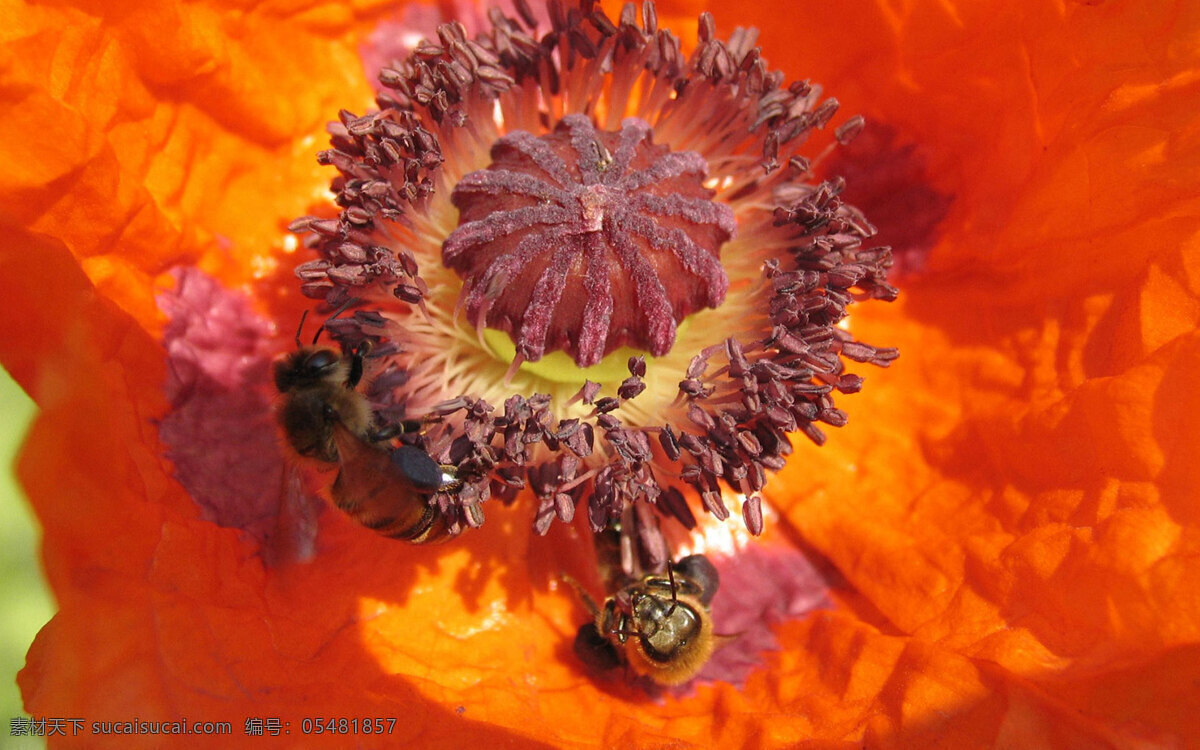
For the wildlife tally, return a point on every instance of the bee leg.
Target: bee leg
(356, 364)
(390, 430)
(588, 602)
(380, 434)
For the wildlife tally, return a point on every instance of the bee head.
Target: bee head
(664, 626)
(308, 421)
(306, 367)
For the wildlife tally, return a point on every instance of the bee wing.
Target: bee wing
(595, 650)
(293, 539)
(366, 469)
(388, 490)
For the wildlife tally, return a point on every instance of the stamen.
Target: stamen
(579, 190)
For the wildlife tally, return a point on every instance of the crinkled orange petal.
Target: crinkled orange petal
(1013, 502)
(1025, 494)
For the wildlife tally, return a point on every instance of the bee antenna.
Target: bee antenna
(300, 328)
(674, 587)
(336, 313)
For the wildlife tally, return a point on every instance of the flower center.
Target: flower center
(524, 161)
(584, 241)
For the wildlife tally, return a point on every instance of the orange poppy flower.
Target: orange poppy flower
(1004, 536)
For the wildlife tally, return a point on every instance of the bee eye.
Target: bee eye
(321, 360)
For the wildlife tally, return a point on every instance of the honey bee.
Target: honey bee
(326, 418)
(660, 626)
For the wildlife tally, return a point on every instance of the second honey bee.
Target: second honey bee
(660, 626)
(326, 418)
